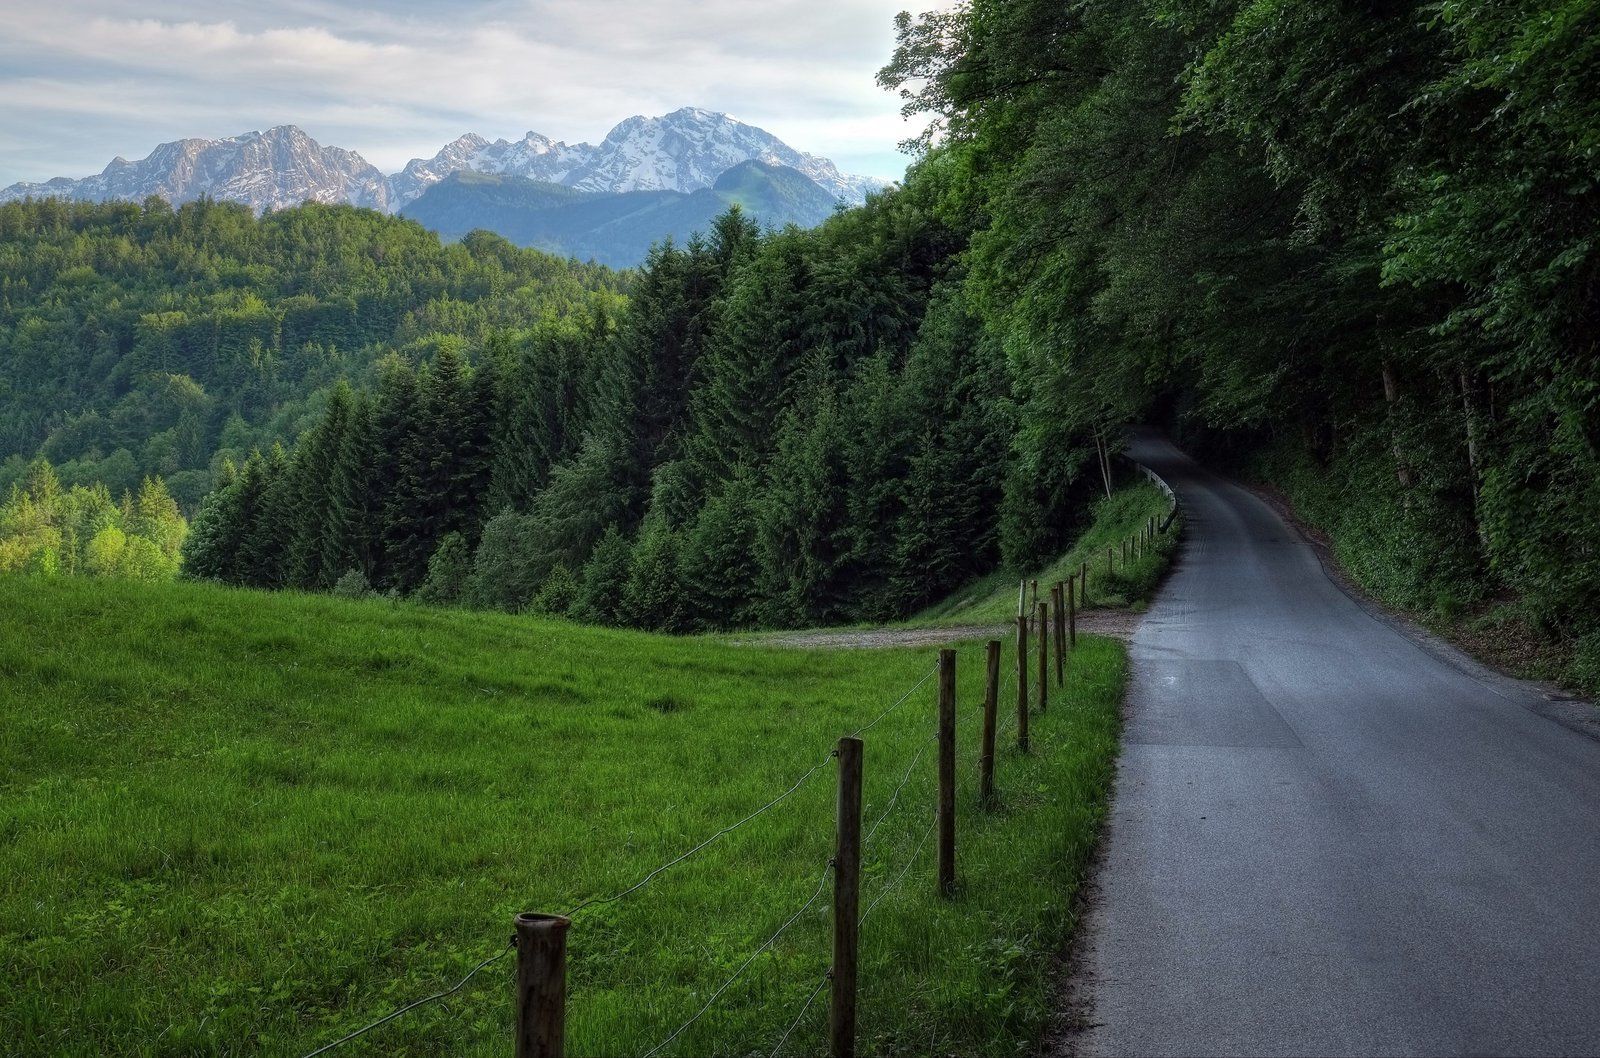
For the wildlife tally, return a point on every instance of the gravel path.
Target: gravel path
(1119, 624)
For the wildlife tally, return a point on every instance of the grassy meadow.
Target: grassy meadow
(238, 823)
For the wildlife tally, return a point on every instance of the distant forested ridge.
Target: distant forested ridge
(140, 341)
(615, 228)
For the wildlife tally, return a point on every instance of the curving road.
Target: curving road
(1328, 836)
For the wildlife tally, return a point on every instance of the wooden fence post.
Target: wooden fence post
(846, 903)
(1083, 573)
(1072, 615)
(947, 772)
(1058, 599)
(1044, 654)
(541, 985)
(991, 703)
(1022, 683)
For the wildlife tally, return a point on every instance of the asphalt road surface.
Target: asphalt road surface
(1329, 837)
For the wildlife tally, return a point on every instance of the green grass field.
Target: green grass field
(245, 823)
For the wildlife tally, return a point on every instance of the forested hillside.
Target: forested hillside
(140, 341)
(789, 428)
(1351, 246)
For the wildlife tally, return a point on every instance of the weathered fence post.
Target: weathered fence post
(1072, 615)
(1058, 598)
(1022, 683)
(991, 704)
(1033, 602)
(541, 985)
(947, 772)
(846, 903)
(1083, 573)
(1044, 654)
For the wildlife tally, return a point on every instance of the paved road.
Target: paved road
(1325, 838)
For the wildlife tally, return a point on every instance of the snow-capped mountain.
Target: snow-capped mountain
(269, 170)
(683, 151)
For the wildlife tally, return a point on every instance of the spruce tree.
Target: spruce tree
(264, 551)
(355, 497)
(315, 463)
(605, 578)
(401, 453)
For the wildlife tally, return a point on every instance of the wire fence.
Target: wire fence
(657, 872)
(822, 882)
(1004, 692)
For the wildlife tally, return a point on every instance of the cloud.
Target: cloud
(394, 79)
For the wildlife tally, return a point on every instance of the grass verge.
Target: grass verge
(245, 823)
(1117, 518)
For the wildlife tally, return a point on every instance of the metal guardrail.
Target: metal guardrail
(1160, 483)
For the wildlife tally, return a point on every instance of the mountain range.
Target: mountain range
(684, 151)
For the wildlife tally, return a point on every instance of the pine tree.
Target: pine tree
(355, 497)
(716, 557)
(271, 524)
(652, 598)
(314, 467)
(604, 579)
(544, 401)
(401, 452)
(754, 351)
(800, 537)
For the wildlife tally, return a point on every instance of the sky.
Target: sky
(83, 81)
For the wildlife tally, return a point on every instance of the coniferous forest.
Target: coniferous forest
(1348, 249)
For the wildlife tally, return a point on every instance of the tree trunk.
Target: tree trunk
(1391, 396)
(1474, 429)
(1105, 462)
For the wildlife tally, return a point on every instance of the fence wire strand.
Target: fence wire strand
(647, 879)
(822, 882)
(501, 954)
(826, 977)
(903, 699)
(904, 779)
(886, 890)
